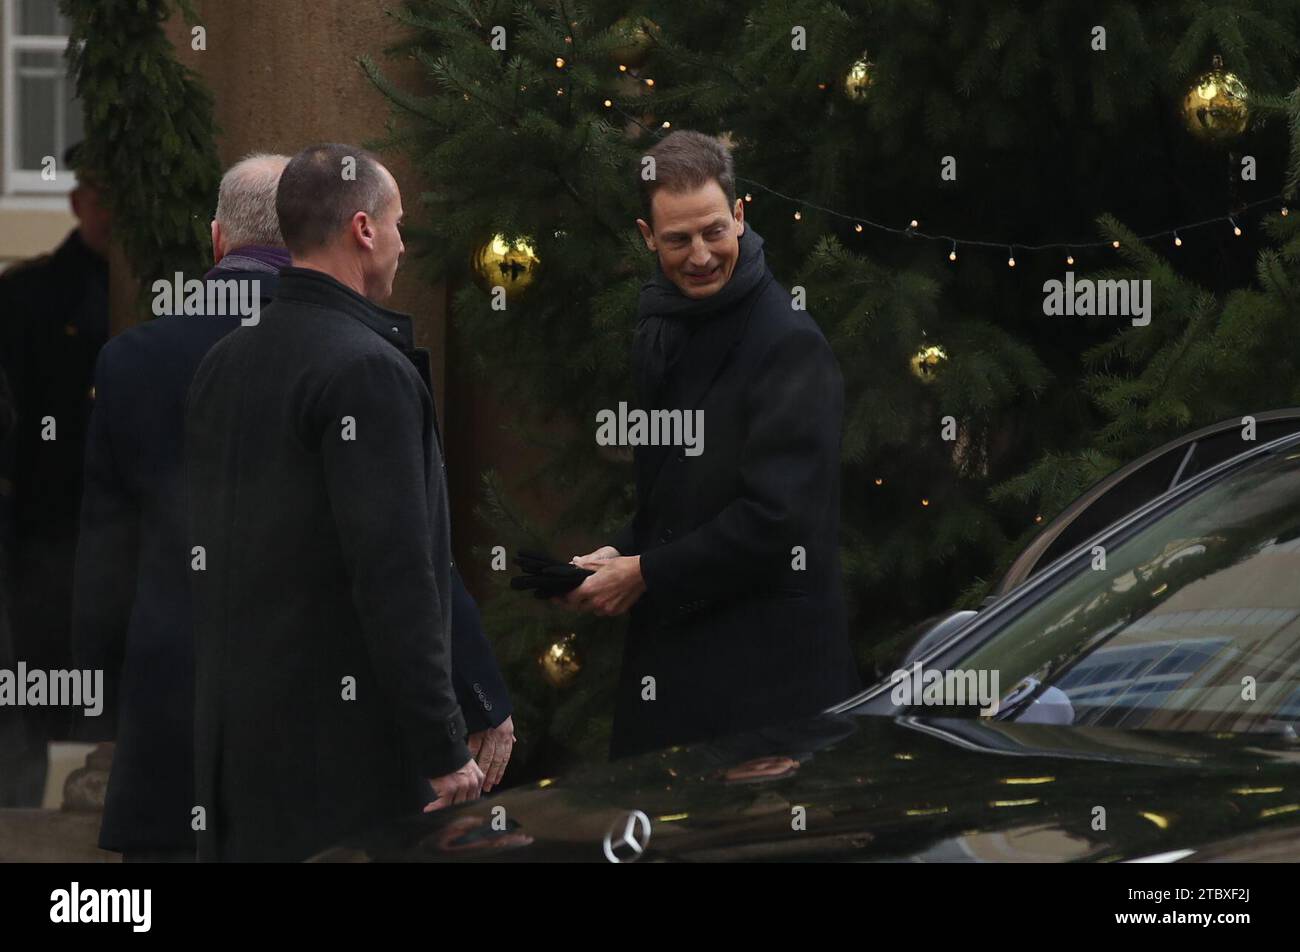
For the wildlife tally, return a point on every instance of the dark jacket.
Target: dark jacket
(323, 693)
(735, 634)
(132, 613)
(53, 321)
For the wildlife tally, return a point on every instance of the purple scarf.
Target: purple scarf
(265, 258)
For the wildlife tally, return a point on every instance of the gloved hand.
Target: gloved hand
(546, 576)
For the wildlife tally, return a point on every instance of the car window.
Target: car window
(1192, 623)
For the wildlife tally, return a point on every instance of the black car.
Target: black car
(1146, 648)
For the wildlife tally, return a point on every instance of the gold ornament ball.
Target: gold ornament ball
(858, 79)
(1215, 108)
(927, 361)
(512, 265)
(635, 37)
(560, 662)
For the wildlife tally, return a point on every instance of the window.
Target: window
(42, 115)
(1194, 624)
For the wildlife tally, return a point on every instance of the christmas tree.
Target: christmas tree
(918, 171)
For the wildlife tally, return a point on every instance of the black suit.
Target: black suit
(734, 633)
(132, 608)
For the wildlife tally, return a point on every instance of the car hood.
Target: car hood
(868, 787)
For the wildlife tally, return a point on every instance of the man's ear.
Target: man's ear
(739, 214)
(647, 234)
(363, 229)
(218, 243)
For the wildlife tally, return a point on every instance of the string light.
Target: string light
(622, 68)
(952, 255)
(667, 124)
(925, 502)
(559, 62)
(879, 481)
(911, 229)
(649, 82)
(608, 103)
(1236, 229)
(798, 216)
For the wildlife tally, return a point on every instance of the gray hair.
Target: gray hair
(246, 201)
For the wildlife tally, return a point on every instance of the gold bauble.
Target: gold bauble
(510, 265)
(636, 38)
(1215, 108)
(927, 361)
(858, 79)
(560, 662)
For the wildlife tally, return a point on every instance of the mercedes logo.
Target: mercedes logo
(627, 838)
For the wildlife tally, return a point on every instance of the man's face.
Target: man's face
(696, 236)
(386, 246)
(95, 221)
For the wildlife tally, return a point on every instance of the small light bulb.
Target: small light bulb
(952, 256)
(622, 68)
(879, 481)
(1236, 230)
(667, 124)
(1011, 262)
(913, 222)
(1115, 243)
(649, 82)
(1178, 242)
(1038, 518)
(608, 103)
(1069, 259)
(749, 197)
(559, 62)
(798, 216)
(925, 502)
(1285, 211)
(857, 228)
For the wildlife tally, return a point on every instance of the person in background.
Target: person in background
(53, 322)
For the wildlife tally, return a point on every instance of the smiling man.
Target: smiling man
(730, 567)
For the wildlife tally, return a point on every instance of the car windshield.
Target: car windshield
(1192, 623)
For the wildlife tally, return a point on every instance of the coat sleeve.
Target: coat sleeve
(788, 464)
(107, 553)
(480, 688)
(625, 539)
(378, 489)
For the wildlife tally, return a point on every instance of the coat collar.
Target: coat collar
(308, 286)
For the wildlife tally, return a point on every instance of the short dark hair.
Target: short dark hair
(314, 201)
(686, 160)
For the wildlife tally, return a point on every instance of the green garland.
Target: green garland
(149, 132)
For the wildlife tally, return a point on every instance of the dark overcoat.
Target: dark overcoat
(322, 588)
(742, 624)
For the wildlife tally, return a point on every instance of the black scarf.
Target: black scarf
(666, 317)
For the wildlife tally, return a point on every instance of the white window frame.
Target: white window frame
(13, 180)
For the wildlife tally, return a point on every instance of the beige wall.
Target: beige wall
(284, 77)
(27, 231)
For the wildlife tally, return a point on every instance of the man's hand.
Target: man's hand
(491, 748)
(592, 560)
(614, 588)
(458, 787)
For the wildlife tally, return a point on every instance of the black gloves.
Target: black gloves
(546, 576)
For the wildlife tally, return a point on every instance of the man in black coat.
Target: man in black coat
(53, 322)
(731, 564)
(132, 614)
(321, 555)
